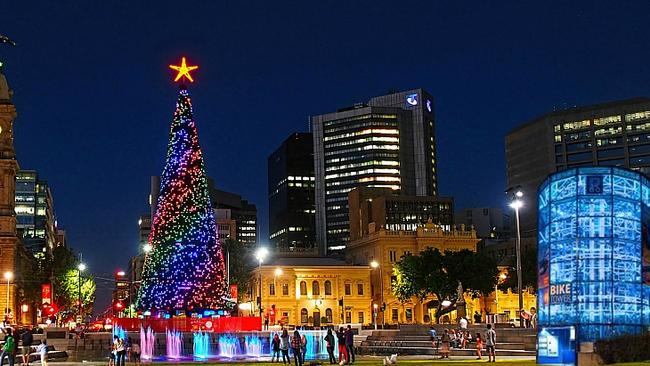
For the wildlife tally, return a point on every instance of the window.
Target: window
(328, 288)
(557, 128)
(407, 252)
(348, 317)
(393, 253)
(315, 288)
(639, 149)
(578, 146)
(393, 315)
(303, 288)
(409, 314)
(576, 125)
(272, 289)
(328, 315)
(361, 317)
(285, 289)
(606, 120)
(608, 131)
(304, 317)
(637, 116)
(579, 157)
(359, 289)
(611, 153)
(393, 279)
(348, 289)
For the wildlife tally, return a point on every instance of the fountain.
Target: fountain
(201, 344)
(229, 346)
(119, 332)
(174, 343)
(253, 345)
(147, 341)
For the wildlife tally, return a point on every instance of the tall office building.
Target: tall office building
(35, 220)
(607, 134)
(292, 228)
(388, 142)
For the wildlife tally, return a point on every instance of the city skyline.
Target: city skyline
(98, 157)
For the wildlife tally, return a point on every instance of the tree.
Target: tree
(528, 272)
(185, 268)
(66, 294)
(241, 266)
(437, 274)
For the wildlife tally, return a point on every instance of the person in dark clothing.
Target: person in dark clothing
(477, 317)
(27, 339)
(343, 352)
(329, 340)
(349, 344)
(296, 344)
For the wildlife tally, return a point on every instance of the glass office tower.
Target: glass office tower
(593, 255)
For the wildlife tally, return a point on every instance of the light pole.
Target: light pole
(375, 265)
(374, 313)
(8, 276)
(261, 254)
(81, 267)
(516, 204)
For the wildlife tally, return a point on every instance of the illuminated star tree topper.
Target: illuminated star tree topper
(185, 268)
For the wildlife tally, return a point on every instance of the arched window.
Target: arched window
(304, 317)
(303, 288)
(315, 288)
(328, 315)
(328, 288)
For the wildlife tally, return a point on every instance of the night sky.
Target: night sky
(95, 97)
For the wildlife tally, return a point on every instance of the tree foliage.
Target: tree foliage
(528, 272)
(434, 273)
(240, 264)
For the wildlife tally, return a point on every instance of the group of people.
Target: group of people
(10, 347)
(298, 343)
(461, 338)
(121, 349)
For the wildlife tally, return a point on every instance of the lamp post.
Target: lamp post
(81, 267)
(517, 203)
(375, 265)
(374, 313)
(8, 276)
(261, 254)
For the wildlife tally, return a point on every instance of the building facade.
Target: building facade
(35, 219)
(292, 210)
(607, 134)
(388, 142)
(385, 209)
(594, 252)
(313, 291)
(489, 222)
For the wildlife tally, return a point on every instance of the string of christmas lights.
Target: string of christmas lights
(185, 268)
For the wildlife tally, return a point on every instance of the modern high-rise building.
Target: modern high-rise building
(388, 142)
(35, 220)
(373, 208)
(292, 211)
(608, 134)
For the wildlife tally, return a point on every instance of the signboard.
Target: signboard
(594, 184)
(412, 99)
(233, 291)
(557, 346)
(46, 293)
(561, 293)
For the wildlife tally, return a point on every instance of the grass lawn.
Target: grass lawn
(376, 362)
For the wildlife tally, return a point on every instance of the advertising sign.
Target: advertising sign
(233, 291)
(46, 293)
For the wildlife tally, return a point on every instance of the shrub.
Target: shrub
(626, 348)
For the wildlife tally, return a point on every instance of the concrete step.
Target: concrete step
(408, 350)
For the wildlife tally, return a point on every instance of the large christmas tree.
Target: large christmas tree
(185, 268)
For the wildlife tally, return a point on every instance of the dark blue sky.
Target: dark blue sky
(95, 96)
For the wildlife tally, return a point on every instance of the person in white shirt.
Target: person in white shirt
(42, 350)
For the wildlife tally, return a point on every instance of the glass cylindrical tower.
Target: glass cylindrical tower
(593, 256)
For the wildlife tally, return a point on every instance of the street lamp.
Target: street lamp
(260, 254)
(516, 203)
(81, 267)
(8, 276)
(374, 264)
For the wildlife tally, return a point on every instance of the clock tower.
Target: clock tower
(8, 167)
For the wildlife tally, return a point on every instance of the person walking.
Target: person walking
(479, 346)
(275, 348)
(42, 351)
(445, 341)
(9, 348)
(27, 339)
(120, 351)
(349, 344)
(284, 347)
(343, 352)
(295, 348)
(329, 340)
(490, 343)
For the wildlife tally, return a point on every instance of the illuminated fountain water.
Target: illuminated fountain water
(119, 331)
(316, 345)
(174, 343)
(253, 345)
(147, 342)
(229, 346)
(201, 346)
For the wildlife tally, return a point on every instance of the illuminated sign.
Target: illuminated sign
(594, 184)
(561, 293)
(183, 70)
(412, 99)
(556, 346)
(46, 293)
(429, 106)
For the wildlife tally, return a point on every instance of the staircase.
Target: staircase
(415, 340)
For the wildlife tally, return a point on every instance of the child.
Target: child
(275, 347)
(42, 350)
(479, 345)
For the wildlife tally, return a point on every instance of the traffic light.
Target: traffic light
(383, 307)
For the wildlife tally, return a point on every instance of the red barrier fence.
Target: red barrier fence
(219, 325)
